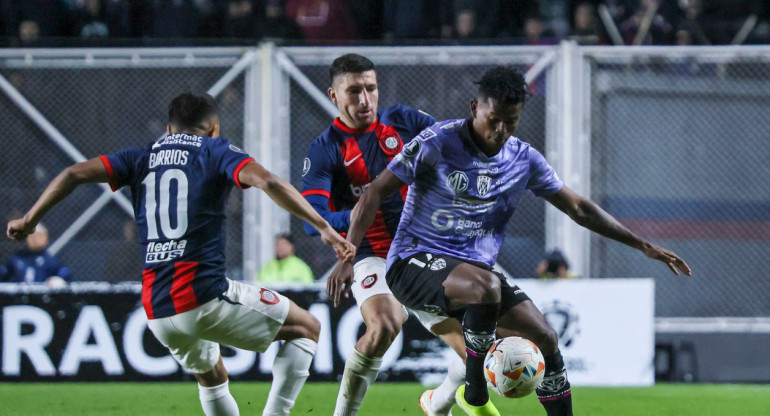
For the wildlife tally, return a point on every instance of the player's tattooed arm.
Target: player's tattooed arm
(63, 184)
(589, 215)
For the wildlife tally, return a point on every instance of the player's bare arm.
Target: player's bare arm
(589, 215)
(289, 198)
(62, 185)
(361, 217)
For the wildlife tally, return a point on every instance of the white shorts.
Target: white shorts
(369, 280)
(245, 316)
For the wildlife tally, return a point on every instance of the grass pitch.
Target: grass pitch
(170, 399)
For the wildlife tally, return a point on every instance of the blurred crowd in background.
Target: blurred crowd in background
(39, 23)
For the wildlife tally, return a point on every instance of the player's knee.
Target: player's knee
(313, 328)
(384, 330)
(548, 341)
(486, 288)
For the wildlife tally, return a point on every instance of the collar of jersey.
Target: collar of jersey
(338, 123)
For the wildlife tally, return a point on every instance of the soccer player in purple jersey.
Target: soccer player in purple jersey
(466, 177)
(179, 186)
(340, 165)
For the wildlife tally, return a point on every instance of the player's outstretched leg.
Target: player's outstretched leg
(292, 363)
(439, 402)
(527, 321)
(214, 392)
(383, 316)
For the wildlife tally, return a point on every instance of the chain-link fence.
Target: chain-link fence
(680, 155)
(677, 150)
(439, 81)
(98, 102)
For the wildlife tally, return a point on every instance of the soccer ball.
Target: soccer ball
(514, 367)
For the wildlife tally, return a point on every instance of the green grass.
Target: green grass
(170, 399)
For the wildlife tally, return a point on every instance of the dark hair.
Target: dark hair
(556, 259)
(350, 63)
(505, 85)
(191, 111)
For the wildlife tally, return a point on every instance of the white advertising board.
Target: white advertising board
(606, 327)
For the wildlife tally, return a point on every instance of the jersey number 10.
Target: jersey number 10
(150, 205)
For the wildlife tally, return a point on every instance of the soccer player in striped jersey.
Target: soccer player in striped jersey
(179, 185)
(465, 179)
(339, 166)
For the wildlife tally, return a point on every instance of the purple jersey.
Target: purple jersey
(179, 186)
(343, 161)
(460, 200)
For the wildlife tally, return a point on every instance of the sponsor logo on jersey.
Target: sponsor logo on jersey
(486, 165)
(168, 157)
(432, 309)
(391, 142)
(437, 264)
(457, 180)
(413, 148)
(358, 190)
(305, 166)
(444, 220)
(268, 297)
(179, 138)
(160, 252)
(477, 205)
(236, 149)
(482, 184)
(369, 281)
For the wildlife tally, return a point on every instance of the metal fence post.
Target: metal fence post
(568, 149)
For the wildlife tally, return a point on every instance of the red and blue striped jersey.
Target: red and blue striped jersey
(179, 186)
(342, 162)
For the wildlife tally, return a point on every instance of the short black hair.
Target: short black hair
(191, 111)
(556, 259)
(503, 84)
(350, 63)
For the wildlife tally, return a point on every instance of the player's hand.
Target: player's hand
(344, 249)
(340, 281)
(19, 229)
(673, 261)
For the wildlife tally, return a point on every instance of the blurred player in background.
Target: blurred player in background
(179, 185)
(341, 163)
(466, 177)
(35, 264)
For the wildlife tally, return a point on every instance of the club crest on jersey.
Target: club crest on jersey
(391, 142)
(412, 148)
(369, 281)
(457, 180)
(268, 297)
(437, 264)
(482, 184)
(305, 166)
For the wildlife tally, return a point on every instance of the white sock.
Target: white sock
(444, 395)
(217, 400)
(360, 372)
(290, 370)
